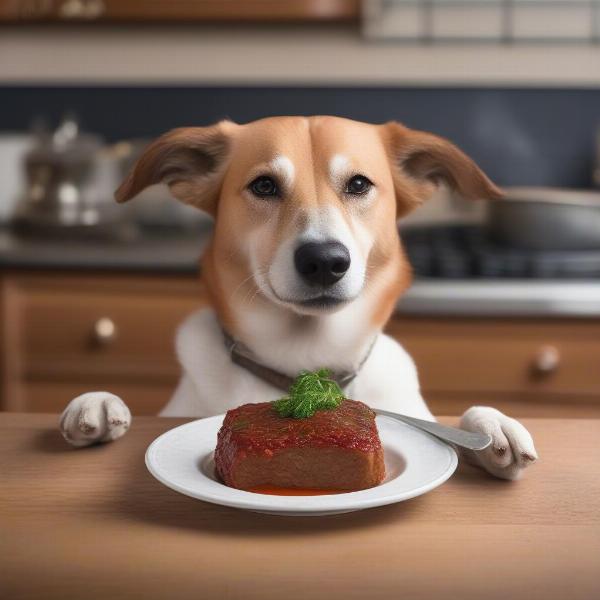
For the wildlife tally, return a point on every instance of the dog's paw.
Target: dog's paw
(511, 449)
(94, 417)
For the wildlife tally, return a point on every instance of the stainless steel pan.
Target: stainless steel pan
(546, 219)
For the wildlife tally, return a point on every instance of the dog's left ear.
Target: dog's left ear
(190, 160)
(422, 160)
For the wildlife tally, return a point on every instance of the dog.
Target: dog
(303, 269)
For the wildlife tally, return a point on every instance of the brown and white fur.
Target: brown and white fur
(256, 291)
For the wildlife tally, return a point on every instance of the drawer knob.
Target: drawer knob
(105, 330)
(547, 360)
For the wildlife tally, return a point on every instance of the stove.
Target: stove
(459, 271)
(465, 252)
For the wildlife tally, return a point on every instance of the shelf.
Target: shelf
(177, 11)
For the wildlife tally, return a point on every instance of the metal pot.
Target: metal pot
(546, 219)
(69, 183)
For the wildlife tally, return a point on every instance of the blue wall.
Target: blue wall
(519, 136)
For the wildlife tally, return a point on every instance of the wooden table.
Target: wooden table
(93, 523)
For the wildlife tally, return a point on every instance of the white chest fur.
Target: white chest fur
(212, 383)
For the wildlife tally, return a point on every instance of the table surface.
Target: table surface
(93, 523)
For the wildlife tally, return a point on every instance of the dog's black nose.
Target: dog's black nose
(322, 263)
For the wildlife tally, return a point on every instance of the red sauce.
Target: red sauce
(293, 491)
(257, 427)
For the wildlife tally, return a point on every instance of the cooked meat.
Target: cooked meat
(336, 449)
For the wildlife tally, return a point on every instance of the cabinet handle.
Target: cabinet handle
(546, 361)
(105, 331)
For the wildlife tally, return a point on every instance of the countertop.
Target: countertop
(93, 523)
(160, 253)
(172, 253)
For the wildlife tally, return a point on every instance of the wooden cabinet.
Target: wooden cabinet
(528, 367)
(65, 334)
(132, 11)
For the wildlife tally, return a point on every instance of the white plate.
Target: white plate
(415, 463)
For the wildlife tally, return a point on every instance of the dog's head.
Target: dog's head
(306, 208)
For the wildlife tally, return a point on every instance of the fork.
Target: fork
(450, 435)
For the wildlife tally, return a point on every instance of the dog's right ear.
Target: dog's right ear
(190, 160)
(421, 160)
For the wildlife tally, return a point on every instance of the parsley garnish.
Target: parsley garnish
(311, 391)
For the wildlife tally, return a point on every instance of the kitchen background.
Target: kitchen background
(505, 308)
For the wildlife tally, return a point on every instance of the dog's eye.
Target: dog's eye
(264, 187)
(358, 185)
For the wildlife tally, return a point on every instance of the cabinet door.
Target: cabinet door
(67, 333)
(530, 367)
(142, 398)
